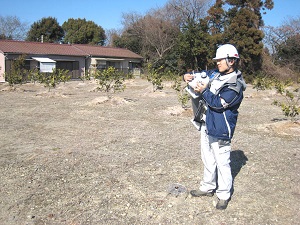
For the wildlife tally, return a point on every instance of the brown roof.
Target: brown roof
(23, 47)
(20, 47)
(100, 51)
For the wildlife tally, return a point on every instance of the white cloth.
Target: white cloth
(216, 158)
(219, 81)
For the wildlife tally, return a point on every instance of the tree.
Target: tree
(281, 39)
(290, 105)
(160, 35)
(17, 74)
(80, 31)
(110, 79)
(111, 35)
(216, 23)
(45, 30)
(12, 28)
(130, 37)
(243, 32)
(154, 34)
(187, 11)
(129, 40)
(51, 80)
(288, 53)
(242, 28)
(215, 18)
(193, 44)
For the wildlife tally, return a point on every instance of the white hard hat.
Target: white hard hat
(226, 51)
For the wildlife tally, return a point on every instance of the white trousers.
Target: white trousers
(215, 156)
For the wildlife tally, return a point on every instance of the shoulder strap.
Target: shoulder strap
(233, 86)
(236, 87)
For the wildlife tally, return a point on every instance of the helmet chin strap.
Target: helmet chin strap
(229, 67)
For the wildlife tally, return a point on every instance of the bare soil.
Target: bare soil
(75, 156)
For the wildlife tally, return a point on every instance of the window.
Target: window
(46, 65)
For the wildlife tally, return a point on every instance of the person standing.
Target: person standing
(222, 96)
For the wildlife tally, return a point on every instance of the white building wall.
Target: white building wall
(2, 67)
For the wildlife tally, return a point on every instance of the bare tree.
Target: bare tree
(111, 34)
(130, 19)
(157, 32)
(160, 34)
(159, 29)
(186, 11)
(12, 28)
(277, 35)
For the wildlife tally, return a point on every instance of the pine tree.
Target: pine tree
(215, 21)
(242, 29)
(45, 30)
(193, 45)
(81, 31)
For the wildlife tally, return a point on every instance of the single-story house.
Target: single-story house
(77, 58)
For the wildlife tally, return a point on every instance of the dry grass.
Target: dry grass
(74, 156)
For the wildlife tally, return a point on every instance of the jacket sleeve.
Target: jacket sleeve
(226, 98)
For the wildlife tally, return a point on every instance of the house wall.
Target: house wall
(2, 67)
(81, 64)
(77, 65)
(125, 65)
(78, 61)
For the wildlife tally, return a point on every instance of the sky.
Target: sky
(108, 13)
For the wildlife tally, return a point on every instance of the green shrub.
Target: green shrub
(262, 82)
(290, 106)
(54, 78)
(110, 79)
(182, 95)
(87, 76)
(155, 77)
(34, 75)
(17, 74)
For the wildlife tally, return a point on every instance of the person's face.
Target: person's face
(222, 65)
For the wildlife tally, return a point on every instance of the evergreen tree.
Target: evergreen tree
(215, 21)
(80, 31)
(45, 30)
(288, 53)
(193, 45)
(242, 29)
(129, 41)
(215, 18)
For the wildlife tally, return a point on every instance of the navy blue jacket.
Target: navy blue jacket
(222, 108)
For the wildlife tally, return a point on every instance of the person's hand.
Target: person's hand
(188, 77)
(200, 87)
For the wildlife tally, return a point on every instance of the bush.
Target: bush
(54, 78)
(155, 77)
(263, 82)
(17, 74)
(182, 95)
(110, 79)
(87, 76)
(34, 75)
(290, 106)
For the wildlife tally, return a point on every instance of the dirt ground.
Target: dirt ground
(74, 156)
